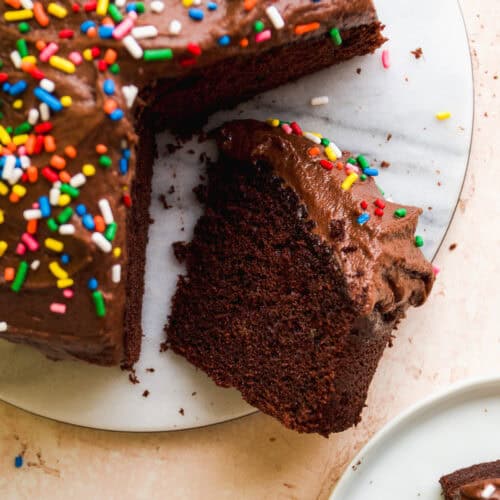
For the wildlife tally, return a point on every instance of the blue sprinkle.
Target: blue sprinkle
(92, 284)
(6, 87)
(372, 172)
(108, 86)
(224, 40)
(363, 219)
(44, 205)
(123, 166)
(52, 102)
(65, 258)
(131, 7)
(86, 25)
(116, 115)
(88, 222)
(196, 14)
(81, 209)
(18, 461)
(18, 163)
(106, 31)
(18, 88)
(211, 6)
(126, 153)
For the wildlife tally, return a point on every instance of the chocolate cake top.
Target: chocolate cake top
(480, 490)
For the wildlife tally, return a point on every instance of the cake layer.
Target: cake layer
(296, 276)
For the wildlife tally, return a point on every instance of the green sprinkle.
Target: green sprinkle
(335, 35)
(325, 142)
(352, 161)
(115, 13)
(363, 177)
(158, 54)
(100, 306)
(114, 68)
(363, 162)
(22, 48)
(419, 241)
(105, 161)
(52, 225)
(21, 273)
(72, 191)
(139, 7)
(110, 232)
(400, 213)
(381, 191)
(10, 130)
(65, 215)
(1, 115)
(23, 28)
(258, 26)
(24, 128)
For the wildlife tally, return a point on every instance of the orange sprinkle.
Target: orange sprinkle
(32, 226)
(49, 143)
(70, 152)
(110, 56)
(32, 174)
(57, 162)
(27, 66)
(12, 147)
(92, 32)
(340, 165)
(107, 21)
(244, 42)
(9, 273)
(249, 4)
(314, 151)
(100, 226)
(64, 176)
(101, 149)
(14, 198)
(41, 17)
(301, 29)
(30, 144)
(40, 45)
(109, 106)
(15, 4)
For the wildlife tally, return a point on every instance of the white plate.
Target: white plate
(363, 110)
(405, 460)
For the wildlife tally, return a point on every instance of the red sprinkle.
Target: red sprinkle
(66, 33)
(194, 49)
(186, 63)
(327, 165)
(102, 65)
(379, 203)
(43, 128)
(296, 129)
(75, 8)
(127, 200)
(3, 77)
(89, 6)
(95, 51)
(379, 212)
(364, 205)
(49, 174)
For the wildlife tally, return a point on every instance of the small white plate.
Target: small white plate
(428, 163)
(452, 430)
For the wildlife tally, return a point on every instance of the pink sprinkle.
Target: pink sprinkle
(436, 270)
(286, 128)
(385, 59)
(30, 242)
(35, 205)
(263, 36)
(20, 249)
(21, 150)
(68, 293)
(51, 49)
(76, 58)
(58, 308)
(124, 28)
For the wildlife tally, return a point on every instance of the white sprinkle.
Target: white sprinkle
(320, 100)
(134, 49)
(3, 326)
(123, 142)
(488, 491)
(196, 2)
(27, 4)
(312, 137)
(54, 196)
(101, 242)
(25, 161)
(141, 32)
(15, 176)
(130, 93)
(275, 17)
(175, 27)
(44, 112)
(78, 180)
(107, 213)
(67, 229)
(33, 116)
(336, 149)
(9, 166)
(116, 273)
(57, 184)
(120, 3)
(47, 85)
(32, 214)
(15, 57)
(157, 6)
(35, 265)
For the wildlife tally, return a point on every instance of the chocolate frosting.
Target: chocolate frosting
(383, 250)
(480, 490)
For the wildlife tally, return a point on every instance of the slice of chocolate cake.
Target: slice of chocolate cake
(297, 274)
(478, 482)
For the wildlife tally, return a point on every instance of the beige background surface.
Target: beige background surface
(455, 336)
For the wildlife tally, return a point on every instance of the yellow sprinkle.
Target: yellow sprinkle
(88, 170)
(20, 139)
(65, 283)
(349, 181)
(3, 248)
(443, 115)
(187, 3)
(2, 217)
(87, 55)
(117, 251)
(66, 101)
(102, 7)
(17, 104)
(57, 10)
(62, 64)
(54, 245)
(330, 154)
(4, 189)
(58, 271)
(18, 15)
(273, 122)
(4, 136)
(19, 190)
(64, 199)
(30, 59)
(317, 134)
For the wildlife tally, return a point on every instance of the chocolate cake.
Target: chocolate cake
(297, 275)
(84, 85)
(477, 482)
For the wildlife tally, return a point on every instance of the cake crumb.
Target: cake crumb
(164, 202)
(385, 164)
(171, 189)
(181, 411)
(272, 439)
(193, 393)
(289, 486)
(150, 370)
(133, 377)
(418, 53)
(389, 137)
(145, 394)
(453, 246)
(358, 71)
